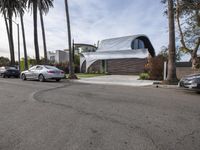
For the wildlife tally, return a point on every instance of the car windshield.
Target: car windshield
(32, 68)
(51, 67)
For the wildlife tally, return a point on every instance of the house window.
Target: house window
(138, 44)
(52, 58)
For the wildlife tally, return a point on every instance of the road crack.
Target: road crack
(131, 127)
(182, 139)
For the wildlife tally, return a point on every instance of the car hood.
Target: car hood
(24, 71)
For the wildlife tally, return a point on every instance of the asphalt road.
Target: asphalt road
(74, 116)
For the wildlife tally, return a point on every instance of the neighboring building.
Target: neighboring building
(82, 48)
(58, 56)
(62, 56)
(123, 55)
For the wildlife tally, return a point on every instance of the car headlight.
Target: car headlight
(192, 81)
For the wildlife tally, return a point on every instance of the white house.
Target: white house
(58, 56)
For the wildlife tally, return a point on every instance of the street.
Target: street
(74, 116)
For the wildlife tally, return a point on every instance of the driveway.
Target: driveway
(125, 80)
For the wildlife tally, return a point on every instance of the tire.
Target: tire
(23, 77)
(3, 75)
(57, 80)
(41, 78)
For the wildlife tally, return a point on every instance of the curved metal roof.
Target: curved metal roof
(118, 48)
(125, 43)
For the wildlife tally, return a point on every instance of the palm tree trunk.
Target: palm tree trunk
(24, 42)
(37, 55)
(71, 64)
(43, 36)
(8, 32)
(171, 77)
(12, 52)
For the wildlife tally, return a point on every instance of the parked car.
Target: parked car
(190, 82)
(42, 73)
(9, 72)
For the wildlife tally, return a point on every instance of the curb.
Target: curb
(112, 83)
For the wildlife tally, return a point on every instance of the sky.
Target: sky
(93, 21)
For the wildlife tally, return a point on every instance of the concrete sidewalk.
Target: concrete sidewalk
(125, 80)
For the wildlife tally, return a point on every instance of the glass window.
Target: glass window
(141, 44)
(50, 67)
(138, 44)
(39, 68)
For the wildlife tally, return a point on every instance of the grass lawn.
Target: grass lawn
(87, 75)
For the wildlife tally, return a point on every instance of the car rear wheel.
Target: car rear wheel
(23, 77)
(41, 78)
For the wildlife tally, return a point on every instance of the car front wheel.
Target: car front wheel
(23, 77)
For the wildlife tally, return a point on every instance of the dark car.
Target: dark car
(191, 82)
(9, 72)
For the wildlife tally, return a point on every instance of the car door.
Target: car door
(30, 73)
(37, 71)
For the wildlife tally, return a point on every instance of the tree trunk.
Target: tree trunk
(194, 61)
(8, 32)
(194, 54)
(12, 52)
(43, 35)
(171, 77)
(37, 55)
(24, 42)
(71, 64)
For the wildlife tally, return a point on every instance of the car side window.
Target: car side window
(39, 68)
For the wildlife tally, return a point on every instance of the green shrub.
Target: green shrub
(144, 76)
(4, 61)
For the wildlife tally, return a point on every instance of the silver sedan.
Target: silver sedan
(42, 73)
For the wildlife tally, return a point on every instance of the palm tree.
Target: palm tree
(33, 4)
(21, 13)
(71, 64)
(6, 23)
(10, 8)
(44, 6)
(171, 77)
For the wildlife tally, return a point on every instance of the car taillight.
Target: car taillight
(51, 71)
(62, 72)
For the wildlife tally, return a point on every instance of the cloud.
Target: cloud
(93, 20)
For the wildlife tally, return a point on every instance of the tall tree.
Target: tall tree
(33, 4)
(10, 8)
(6, 23)
(171, 76)
(21, 14)
(188, 20)
(71, 64)
(43, 9)
(42, 6)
